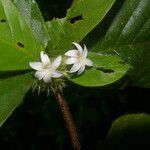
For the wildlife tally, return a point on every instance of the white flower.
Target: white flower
(45, 69)
(78, 57)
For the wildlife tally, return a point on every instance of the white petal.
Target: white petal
(75, 67)
(88, 62)
(72, 53)
(82, 68)
(36, 65)
(85, 51)
(56, 62)
(56, 74)
(79, 48)
(71, 60)
(44, 58)
(47, 77)
(40, 74)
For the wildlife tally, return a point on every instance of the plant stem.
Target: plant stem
(68, 119)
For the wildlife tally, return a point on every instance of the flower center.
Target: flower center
(46, 66)
(80, 57)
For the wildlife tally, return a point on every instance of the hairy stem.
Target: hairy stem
(68, 119)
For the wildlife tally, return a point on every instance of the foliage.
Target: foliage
(129, 35)
(117, 34)
(124, 131)
(24, 35)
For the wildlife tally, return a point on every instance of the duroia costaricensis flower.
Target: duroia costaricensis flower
(78, 58)
(46, 69)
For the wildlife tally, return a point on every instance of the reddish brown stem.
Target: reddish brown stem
(69, 120)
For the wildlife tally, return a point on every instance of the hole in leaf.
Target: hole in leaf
(2, 20)
(76, 18)
(105, 70)
(21, 45)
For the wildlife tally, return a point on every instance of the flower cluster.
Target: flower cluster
(47, 70)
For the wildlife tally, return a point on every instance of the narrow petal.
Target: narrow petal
(47, 77)
(75, 67)
(36, 65)
(56, 74)
(85, 51)
(88, 62)
(82, 68)
(44, 58)
(40, 74)
(79, 48)
(56, 62)
(71, 60)
(72, 53)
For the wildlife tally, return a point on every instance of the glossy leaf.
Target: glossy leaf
(29, 10)
(18, 45)
(130, 131)
(106, 70)
(81, 18)
(55, 30)
(129, 36)
(12, 91)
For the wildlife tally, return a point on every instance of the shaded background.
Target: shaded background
(38, 124)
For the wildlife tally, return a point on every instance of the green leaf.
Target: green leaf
(106, 70)
(129, 36)
(12, 91)
(81, 18)
(18, 45)
(130, 131)
(34, 19)
(55, 30)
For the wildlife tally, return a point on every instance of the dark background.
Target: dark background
(38, 124)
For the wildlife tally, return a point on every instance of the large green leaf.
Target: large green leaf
(81, 18)
(77, 24)
(34, 19)
(12, 91)
(129, 36)
(106, 70)
(130, 131)
(18, 45)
